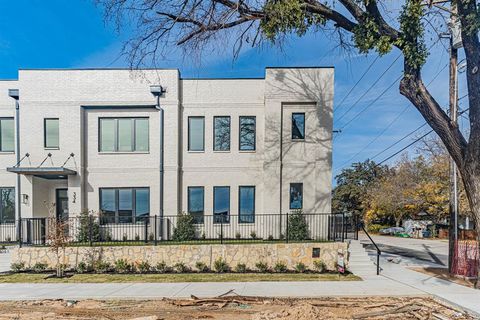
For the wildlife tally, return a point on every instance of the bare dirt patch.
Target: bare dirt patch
(233, 307)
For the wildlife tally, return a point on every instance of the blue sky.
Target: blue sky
(72, 34)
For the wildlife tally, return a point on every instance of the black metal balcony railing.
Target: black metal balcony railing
(262, 228)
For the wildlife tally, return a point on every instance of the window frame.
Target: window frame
(215, 215)
(196, 215)
(290, 195)
(2, 218)
(229, 134)
(45, 134)
(14, 135)
(117, 209)
(254, 134)
(188, 134)
(304, 126)
(239, 204)
(116, 134)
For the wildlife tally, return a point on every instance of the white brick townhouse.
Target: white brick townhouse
(92, 139)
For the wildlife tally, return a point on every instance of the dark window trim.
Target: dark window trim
(304, 125)
(254, 133)
(188, 133)
(254, 201)
(227, 220)
(134, 204)
(14, 137)
(229, 133)
(189, 211)
(45, 133)
(134, 126)
(290, 196)
(2, 219)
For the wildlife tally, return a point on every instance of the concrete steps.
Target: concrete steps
(360, 260)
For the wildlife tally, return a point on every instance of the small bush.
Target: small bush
(297, 226)
(108, 236)
(204, 236)
(82, 267)
(300, 267)
(151, 237)
(280, 266)
(137, 237)
(122, 266)
(125, 237)
(17, 266)
(319, 266)
(375, 228)
(262, 266)
(181, 267)
(238, 236)
(241, 268)
(253, 235)
(8, 239)
(102, 267)
(88, 227)
(39, 267)
(144, 267)
(270, 238)
(221, 266)
(185, 230)
(162, 267)
(201, 266)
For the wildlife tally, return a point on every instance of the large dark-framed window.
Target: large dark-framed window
(128, 134)
(7, 135)
(196, 203)
(247, 133)
(298, 126)
(196, 133)
(246, 204)
(51, 133)
(296, 196)
(124, 205)
(7, 205)
(221, 133)
(221, 204)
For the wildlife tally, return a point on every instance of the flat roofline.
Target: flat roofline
(312, 67)
(9, 79)
(88, 69)
(46, 171)
(219, 78)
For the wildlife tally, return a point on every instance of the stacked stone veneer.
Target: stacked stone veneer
(250, 254)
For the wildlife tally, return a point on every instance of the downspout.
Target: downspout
(281, 167)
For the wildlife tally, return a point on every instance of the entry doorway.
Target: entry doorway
(61, 200)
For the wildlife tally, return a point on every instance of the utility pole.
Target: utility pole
(453, 106)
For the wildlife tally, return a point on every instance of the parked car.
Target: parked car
(392, 230)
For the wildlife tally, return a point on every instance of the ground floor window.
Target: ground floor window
(124, 205)
(296, 195)
(196, 203)
(7, 205)
(246, 204)
(221, 204)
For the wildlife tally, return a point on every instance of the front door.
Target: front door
(62, 204)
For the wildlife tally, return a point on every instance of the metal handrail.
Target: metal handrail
(379, 252)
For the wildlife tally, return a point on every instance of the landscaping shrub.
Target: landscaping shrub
(297, 226)
(253, 235)
(137, 237)
(319, 266)
(122, 266)
(375, 228)
(221, 266)
(280, 267)
(262, 266)
(162, 267)
(185, 230)
(125, 237)
(300, 267)
(108, 236)
(39, 267)
(17, 266)
(102, 267)
(181, 267)
(241, 268)
(270, 238)
(88, 225)
(144, 267)
(201, 266)
(238, 235)
(151, 237)
(82, 267)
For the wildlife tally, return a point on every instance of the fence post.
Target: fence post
(90, 230)
(155, 241)
(221, 229)
(146, 229)
(287, 235)
(19, 232)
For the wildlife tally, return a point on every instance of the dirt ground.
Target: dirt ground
(442, 273)
(233, 307)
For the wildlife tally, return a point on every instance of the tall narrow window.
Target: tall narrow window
(221, 133)
(124, 205)
(247, 133)
(246, 204)
(221, 204)
(196, 196)
(7, 205)
(7, 134)
(51, 133)
(196, 133)
(296, 195)
(298, 126)
(123, 135)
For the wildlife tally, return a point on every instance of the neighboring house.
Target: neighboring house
(232, 147)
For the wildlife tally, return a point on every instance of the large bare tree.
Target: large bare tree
(364, 24)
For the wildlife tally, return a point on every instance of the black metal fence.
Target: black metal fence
(92, 230)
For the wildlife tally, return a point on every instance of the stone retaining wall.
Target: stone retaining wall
(250, 254)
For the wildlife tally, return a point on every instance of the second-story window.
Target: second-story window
(298, 126)
(196, 133)
(124, 135)
(51, 133)
(247, 133)
(7, 134)
(221, 133)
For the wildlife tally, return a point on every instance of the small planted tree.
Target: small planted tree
(185, 230)
(57, 237)
(297, 226)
